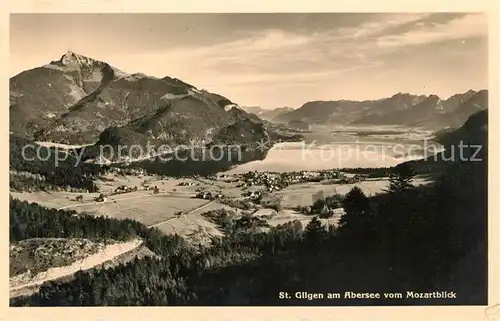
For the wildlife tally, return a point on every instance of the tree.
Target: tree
(401, 179)
(315, 232)
(357, 218)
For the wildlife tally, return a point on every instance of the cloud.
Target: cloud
(468, 26)
(275, 56)
(293, 78)
(324, 54)
(383, 23)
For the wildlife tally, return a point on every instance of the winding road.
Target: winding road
(108, 253)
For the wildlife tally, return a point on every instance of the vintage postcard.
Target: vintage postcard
(251, 158)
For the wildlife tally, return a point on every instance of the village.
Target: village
(175, 204)
(264, 183)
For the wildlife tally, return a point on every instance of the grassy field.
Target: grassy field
(148, 211)
(302, 194)
(53, 199)
(286, 216)
(194, 226)
(142, 206)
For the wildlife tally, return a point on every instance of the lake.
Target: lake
(333, 150)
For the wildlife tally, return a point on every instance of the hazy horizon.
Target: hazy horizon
(272, 60)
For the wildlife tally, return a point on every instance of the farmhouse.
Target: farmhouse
(101, 198)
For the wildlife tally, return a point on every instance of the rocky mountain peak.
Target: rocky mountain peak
(72, 59)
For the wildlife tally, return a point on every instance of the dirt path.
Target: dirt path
(184, 215)
(108, 253)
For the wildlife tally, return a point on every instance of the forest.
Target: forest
(52, 172)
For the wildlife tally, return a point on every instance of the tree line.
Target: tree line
(63, 173)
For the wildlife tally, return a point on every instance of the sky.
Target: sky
(270, 59)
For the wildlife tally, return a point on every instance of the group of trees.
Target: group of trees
(370, 172)
(58, 171)
(202, 161)
(332, 202)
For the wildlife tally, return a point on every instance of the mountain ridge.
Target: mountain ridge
(428, 111)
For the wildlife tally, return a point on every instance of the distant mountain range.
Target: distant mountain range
(401, 109)
(267, 114)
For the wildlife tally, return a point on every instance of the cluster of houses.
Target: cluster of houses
(270, 180)
(129, 171)
(254, 195)
(351, 180)
(225, 177)
(208, 195)
(155, 188)
(277, 181)
(326, 211)
(125, 189)
(185, 183)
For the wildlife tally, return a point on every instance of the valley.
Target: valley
(182, 195)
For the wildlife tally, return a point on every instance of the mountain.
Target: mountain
(253, 109)
(400, 109)
(348, 111)
(268, 114)
(320, 112)
(478, 101)
(384, 107)
(298, 124)
(75, 99)
(435, 113)
(122, 117)
(423, 109)
(473, 132)
(467, 143)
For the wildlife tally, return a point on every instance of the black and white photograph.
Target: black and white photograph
(248, 159)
